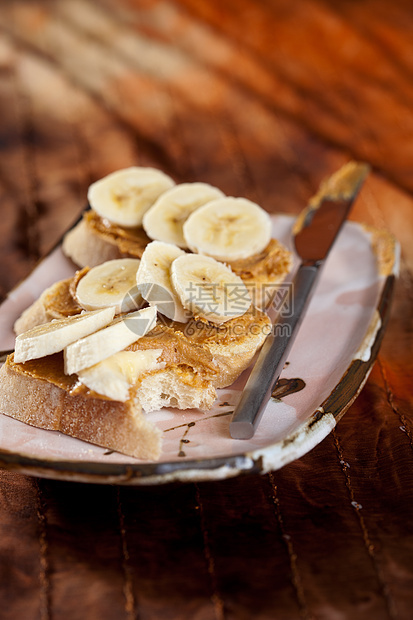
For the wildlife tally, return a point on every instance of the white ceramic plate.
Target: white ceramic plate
(327, 367)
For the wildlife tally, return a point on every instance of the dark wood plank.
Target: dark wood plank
(381, 489)
(23, 566)
(247, 550)
(170, 575)
(84, 551)
(19, 245)
(298, 50)
(336, 573)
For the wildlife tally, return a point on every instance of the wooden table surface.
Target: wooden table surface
(262, 99)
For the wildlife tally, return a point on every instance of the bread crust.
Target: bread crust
(88, 249)
(36, 314)
(95, 240)
(111, 424)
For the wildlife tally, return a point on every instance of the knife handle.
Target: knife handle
(273, 354)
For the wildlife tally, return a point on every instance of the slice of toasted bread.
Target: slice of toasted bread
(196, 358)
(43, 403)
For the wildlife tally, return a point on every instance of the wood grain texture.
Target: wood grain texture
(263, 99)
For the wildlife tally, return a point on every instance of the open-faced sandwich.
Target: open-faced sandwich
(167, 307)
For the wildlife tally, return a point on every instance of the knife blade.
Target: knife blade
(315, 231)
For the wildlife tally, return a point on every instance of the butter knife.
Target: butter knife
(315, 231)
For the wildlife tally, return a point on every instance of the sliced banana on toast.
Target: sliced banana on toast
(112, 283)
(228, 229)
(53, 337)
(164, 220)
(154, 280)
(209, 289)
(113, 338)
(114, 376)
(125, 195)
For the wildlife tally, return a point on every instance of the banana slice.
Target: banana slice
(228, 229)
(53, 337)
(209, 289)
(122, 332)
(123, 196)
(112, 283)
(154, 280)
(165, 219)
(114, 376)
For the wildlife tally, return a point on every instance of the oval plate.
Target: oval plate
(329, 363)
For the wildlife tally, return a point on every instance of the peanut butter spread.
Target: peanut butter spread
(177, 350)
(187, 344)
(270, 265)
(197, 331)
(60, 302)
(130, 241)
(49, 368)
